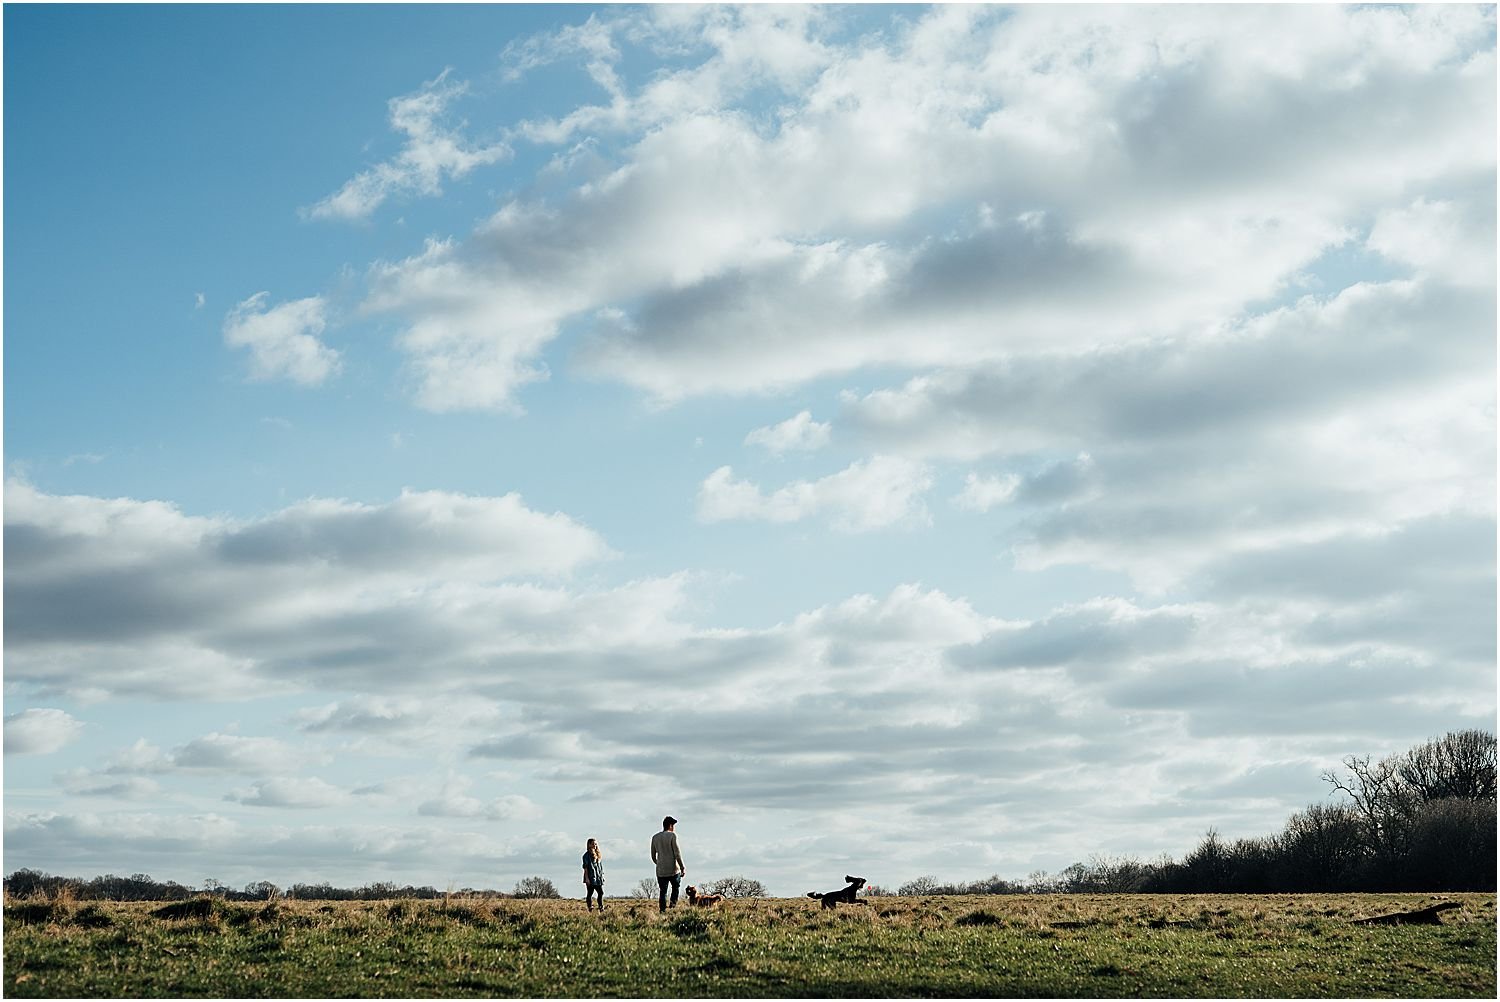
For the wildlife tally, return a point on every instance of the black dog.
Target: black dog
(844, 894)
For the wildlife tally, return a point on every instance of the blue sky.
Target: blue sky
(893, 440)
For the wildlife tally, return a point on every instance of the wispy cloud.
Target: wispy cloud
(433, 151)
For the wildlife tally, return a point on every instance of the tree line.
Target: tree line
(1419, 821)
(141, 887)
(27, 883)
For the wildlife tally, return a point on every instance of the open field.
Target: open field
(1107, 945)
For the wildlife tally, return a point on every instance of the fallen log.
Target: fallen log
(1422, 916)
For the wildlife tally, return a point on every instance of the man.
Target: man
(668, 860)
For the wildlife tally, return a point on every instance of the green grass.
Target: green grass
(1081, 946)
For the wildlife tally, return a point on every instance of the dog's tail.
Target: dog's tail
(815, 894)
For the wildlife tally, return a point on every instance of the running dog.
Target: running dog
(702, 900)
(844, 894)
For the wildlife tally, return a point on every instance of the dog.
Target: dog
(844, 894)
(702, 900)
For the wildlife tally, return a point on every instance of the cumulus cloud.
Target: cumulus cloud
(377, 715)
(454, 802)
(432, 152)
(86, 783)
(988, 185)
(307, 792)
(1451, 239)
(982, 493)
(870, 494)
(212, 753)
(799, 433)
(914, 700)
(283, 340)
(1202, 300)
(1289, 365)
(1343, 415)
(1095, 634)
(121, 596)
(40, 731)
(235, 753)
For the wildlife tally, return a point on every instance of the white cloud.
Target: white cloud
(453, 535)
(212, 753)
(474, 338)
(871, 494)
(1354, 413)
(912, 700)
(743, 48)
(982, 493)
(40, 731)
(1059, 248)
(799, 433)
(366, 714)
(283, 340)
(239, 851)
(295, 792)
(986, 185)
(1451, 240)
(84, 783)
(235, 753)
(432, 152)
(910, 616)
(115, 597)
(593, 38)
(453, 802)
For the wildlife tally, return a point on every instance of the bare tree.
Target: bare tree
(536, 887)
(647, 888)
(1382, 799)
(1389, 794)
(1321, 846)
(1460, 764)
(922, 885)
(262, 890)
(736, 887)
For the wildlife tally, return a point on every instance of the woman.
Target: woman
(593, 874)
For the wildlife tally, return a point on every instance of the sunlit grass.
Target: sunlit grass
(1051, 945)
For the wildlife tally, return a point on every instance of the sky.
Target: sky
(895, 441)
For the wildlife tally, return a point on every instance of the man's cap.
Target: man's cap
(668, 820)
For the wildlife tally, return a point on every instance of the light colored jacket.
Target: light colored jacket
(665, 854)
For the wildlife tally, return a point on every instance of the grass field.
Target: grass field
(1107, 946)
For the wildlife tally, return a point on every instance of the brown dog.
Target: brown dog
(844, 894)
(702, 900)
